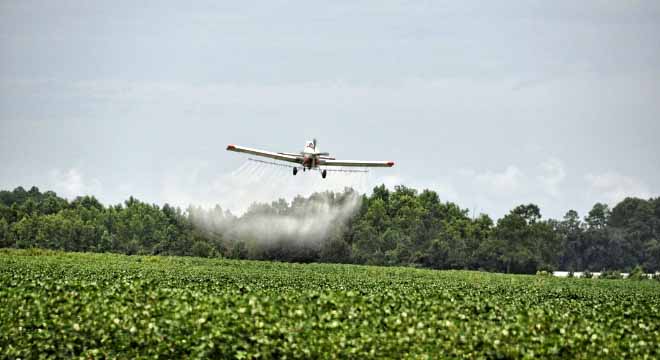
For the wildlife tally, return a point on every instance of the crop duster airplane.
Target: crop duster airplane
(311, 158)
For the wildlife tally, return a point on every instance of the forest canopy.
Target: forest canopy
(389, 227)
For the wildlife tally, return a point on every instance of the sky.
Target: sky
(490, 104)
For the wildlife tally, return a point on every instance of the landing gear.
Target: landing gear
(295, 171)
(324, 173)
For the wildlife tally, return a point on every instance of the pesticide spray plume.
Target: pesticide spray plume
(317, 214)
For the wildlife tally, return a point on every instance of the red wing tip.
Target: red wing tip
(390, 163)
(231, 147)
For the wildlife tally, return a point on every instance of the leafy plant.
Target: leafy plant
(610, 275)
(638, 273)
(83, 305)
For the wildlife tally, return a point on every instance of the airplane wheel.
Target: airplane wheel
(324, 173)
(295, 171)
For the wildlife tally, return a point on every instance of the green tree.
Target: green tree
(4, 234)
(530, 213)
(571, 232)
(598, 216)
(202, 249)
(527, 243)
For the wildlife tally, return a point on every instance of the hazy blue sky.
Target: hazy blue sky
(491, 104)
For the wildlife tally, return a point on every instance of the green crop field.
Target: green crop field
(56, 304)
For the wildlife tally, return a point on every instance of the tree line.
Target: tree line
(402, 227)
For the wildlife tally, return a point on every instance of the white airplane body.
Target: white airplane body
(311, 158)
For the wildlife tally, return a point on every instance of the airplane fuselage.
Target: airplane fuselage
(310, 155)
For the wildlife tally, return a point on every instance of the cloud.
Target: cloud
(551, 177)
(71, 183)
(613, 187)
(496, 191)
(417, 92)
(390, 181)
(511, 180)
(445, 189)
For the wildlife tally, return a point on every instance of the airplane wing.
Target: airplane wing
(290, 154)
(356, 163)
(269, 154)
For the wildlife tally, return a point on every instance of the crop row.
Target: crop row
(85, 305)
